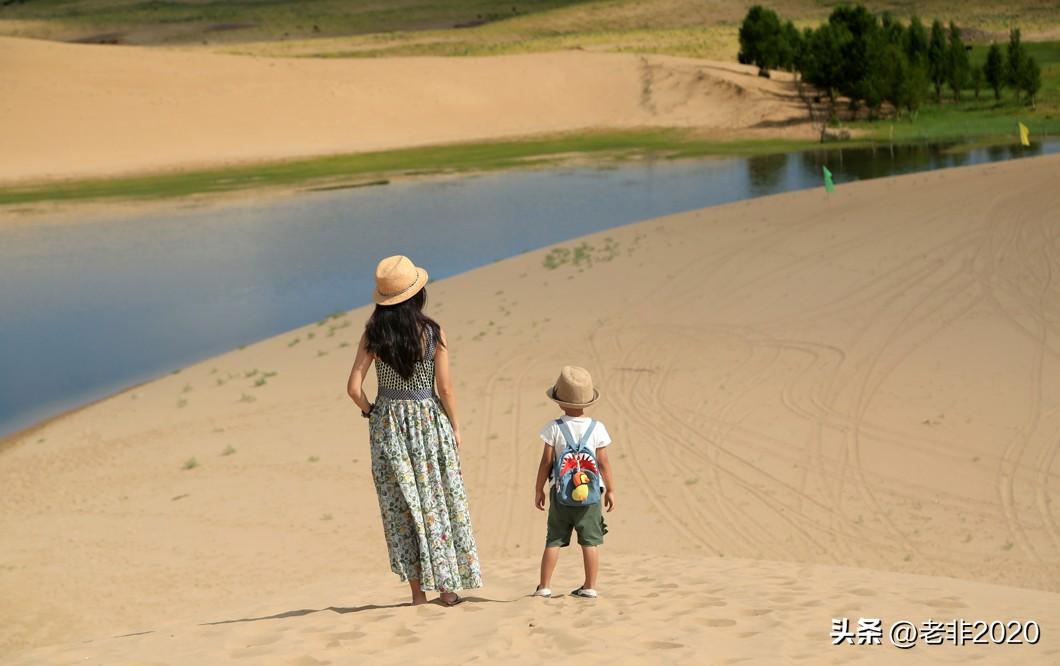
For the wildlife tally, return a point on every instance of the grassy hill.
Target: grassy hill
(462, 27)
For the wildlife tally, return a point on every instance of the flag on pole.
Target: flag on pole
(829, 186)
(1025, 134)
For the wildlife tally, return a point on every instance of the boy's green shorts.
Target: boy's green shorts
(587, 520)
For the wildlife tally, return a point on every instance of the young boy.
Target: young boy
(574, 393)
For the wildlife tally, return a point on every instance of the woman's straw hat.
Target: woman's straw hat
(397, 279)
(574, 388)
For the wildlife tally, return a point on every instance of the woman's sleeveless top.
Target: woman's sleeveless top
(420, 386)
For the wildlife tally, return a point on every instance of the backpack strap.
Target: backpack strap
(567, 434)
(588, 433)
(557, 453)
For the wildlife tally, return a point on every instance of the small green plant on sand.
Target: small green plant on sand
(190, 463)
(292, 343)
(556, 257)
(260, 381)
(582, 255)
(312, 459)
(338, 314)
(327, 516)
(246, 397)
(229, 450)
(250, 373)
(182, 403)
(187, 388)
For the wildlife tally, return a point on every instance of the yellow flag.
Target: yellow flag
(1025, 134)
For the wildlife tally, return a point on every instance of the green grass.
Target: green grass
(426, 27)
(458, 158)
(162, 21)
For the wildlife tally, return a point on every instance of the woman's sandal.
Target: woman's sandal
(584, 593)
(542, 592)
(457, 599)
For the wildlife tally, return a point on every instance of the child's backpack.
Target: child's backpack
(574, 468)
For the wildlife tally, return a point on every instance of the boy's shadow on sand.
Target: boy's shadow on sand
(342, 610)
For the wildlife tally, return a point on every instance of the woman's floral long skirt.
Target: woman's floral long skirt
(422, 499)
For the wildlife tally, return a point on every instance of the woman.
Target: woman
(415, 435)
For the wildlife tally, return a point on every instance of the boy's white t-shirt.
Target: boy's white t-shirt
(553, 436)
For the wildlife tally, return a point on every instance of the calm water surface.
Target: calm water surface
(87, 309)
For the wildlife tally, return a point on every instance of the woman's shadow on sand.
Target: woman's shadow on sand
(342, 610)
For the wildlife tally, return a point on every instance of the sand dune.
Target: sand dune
(823, 406)
(82, 110)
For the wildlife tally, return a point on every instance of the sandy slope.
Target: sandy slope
(813, 398)
(78, 110)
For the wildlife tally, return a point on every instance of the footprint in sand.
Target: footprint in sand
(662, 645)
(719, 622)
(945, 603)
(263, 639)
(251, 652)
(346, 635)
(863, 592)
(708, 602)
(755, 612)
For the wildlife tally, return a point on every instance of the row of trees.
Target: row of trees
(876, 60)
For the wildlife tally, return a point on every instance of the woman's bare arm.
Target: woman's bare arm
(361, 364)
(444, 380)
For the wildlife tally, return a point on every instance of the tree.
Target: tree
(760, 39)
(891, 74)
(824, 56)
(1016, 61)
(915, 88)
(957, 63)
(936, 58)
(791, 47)
(994, 70)
(977, 80)
(916, 42)
(892, 29)
(1032, 80)
(859, 53)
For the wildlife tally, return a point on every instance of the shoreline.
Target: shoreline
(136, 194)
(303, 176)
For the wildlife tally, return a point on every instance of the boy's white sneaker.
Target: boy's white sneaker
(542, 592)
(584, 593)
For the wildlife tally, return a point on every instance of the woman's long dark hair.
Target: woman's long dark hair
(395, 333)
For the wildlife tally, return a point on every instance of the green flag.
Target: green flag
(829, 186)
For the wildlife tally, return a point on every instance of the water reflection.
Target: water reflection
(766, 172)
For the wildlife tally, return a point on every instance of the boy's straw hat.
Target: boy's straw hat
(574, 388)
(397, 279)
